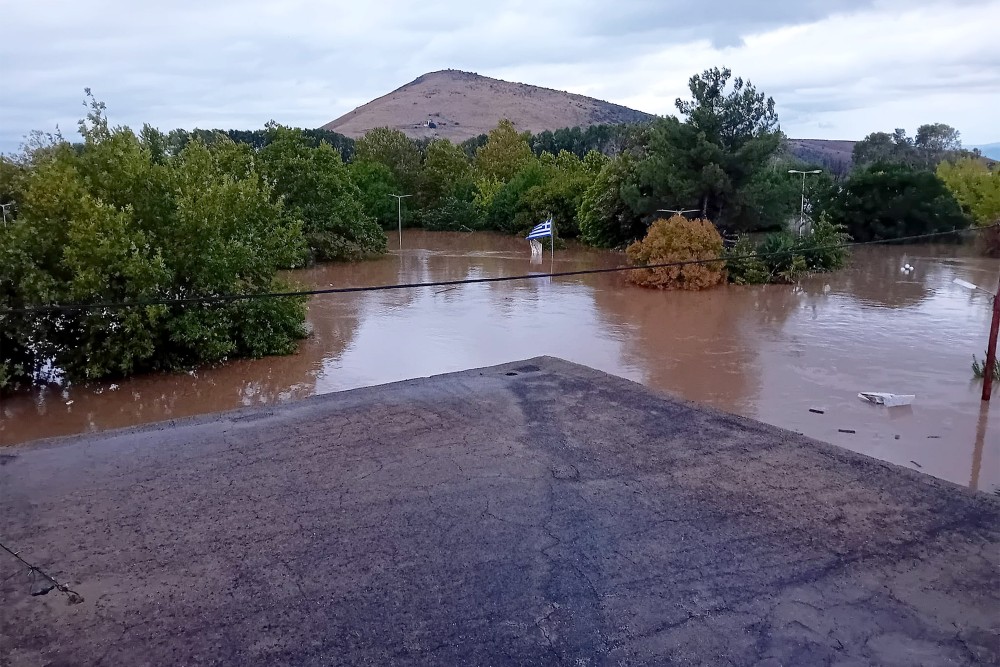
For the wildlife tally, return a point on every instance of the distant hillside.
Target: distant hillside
(833, 155)
(991, 151)
(460, 105)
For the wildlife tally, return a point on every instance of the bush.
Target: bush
(678, 240)
(743, 264)
(822, 248)
(453, 214)
(979, 367)
(783, 257)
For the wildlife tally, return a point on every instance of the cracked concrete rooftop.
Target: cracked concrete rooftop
(538, 512)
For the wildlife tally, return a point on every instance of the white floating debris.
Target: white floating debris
(964, 283)
(886, 399)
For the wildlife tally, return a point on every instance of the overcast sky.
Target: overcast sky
(838, 69)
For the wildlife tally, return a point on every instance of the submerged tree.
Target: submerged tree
(118, 220)
(316, 187)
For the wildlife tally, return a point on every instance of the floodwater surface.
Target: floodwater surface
(776, 353)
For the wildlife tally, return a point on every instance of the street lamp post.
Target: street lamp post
(399, 213)
(802, 209)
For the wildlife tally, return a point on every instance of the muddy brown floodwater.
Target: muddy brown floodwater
(772, 352)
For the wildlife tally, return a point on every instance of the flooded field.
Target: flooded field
(771, 353)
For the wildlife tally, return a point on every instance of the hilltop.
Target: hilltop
(460, 105)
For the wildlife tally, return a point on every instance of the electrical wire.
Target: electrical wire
(226, 298)
(71, 596)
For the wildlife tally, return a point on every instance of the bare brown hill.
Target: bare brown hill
(460, 105)
(835, 155)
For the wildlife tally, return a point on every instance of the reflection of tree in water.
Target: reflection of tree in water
(700, 345)
(49, 411)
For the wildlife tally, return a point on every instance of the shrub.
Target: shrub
(822, 248)
(743, 264)
(453, 214)
(979, 367)
(678, 240)
(784, 258)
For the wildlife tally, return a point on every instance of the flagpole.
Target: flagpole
(552, 239)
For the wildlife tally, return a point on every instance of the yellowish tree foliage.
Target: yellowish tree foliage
(975, 186)
(678, 240)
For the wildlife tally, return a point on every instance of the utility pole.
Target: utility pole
(802, 209)
(399, 212)
(991, 349)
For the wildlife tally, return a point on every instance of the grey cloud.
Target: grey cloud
(238, 64)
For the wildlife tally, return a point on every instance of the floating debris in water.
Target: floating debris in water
(847, 430)
(886, 399)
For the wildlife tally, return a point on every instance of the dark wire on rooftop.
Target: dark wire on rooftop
(225, 298)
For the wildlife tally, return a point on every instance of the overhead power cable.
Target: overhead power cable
(226, 298)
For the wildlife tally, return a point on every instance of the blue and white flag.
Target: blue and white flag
(541, 231)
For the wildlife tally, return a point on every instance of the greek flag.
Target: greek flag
(541, 231)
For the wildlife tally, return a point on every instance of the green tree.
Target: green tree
(888, 201)
(509, 209)
(560, 194)
(11, 175)
(729, 134)
(882, 147)
(605, 218)
(375, 183)
(446, 171)
(935, 141)
(316, 187)
(505, 153)
(119, 219)
(932, 143)
(773, 197)
(396, 151)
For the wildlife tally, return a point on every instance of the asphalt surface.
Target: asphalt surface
(533, 513)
